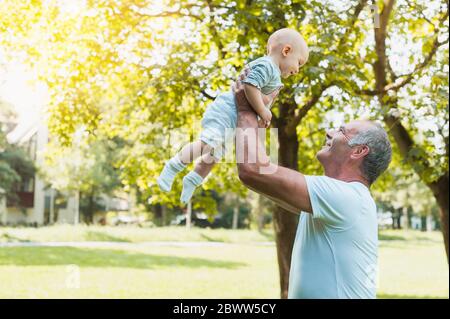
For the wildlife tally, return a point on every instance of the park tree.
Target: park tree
(15, 164)
(87, 168)
(408, 98)
(143, 70)
(411, 198)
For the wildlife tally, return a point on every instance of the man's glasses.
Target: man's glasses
(342, 130)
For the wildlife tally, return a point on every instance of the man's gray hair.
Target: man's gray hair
(380, 151)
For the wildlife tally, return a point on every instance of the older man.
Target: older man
(335, 249)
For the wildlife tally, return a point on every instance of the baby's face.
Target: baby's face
(292, 61)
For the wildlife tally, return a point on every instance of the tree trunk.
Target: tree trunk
(189, 215)
(160, 213)
(393, 219)
(440, 190)
(234, 224)
(401, 136)
(90, 211)
(163, 215)
(399, 219)
(405, 218)
(423, 223)
(259, 213)
(284, 222)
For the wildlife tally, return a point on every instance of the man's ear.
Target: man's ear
(360, 151)
(286, 49)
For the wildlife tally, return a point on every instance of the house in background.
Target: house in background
(40, 204)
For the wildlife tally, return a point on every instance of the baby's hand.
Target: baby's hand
(266, 116)
(261, 123)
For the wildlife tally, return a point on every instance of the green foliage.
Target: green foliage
(15, 166)
(142, 72)
(88, 166)
(410, 193)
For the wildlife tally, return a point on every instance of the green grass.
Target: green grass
(412, 264)
(63, 233)
(236, 271)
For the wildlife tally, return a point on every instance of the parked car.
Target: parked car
(197, 219)
(125, 220)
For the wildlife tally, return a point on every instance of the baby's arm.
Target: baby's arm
(255, 99)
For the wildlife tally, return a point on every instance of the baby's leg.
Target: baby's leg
(177, 163)
(205, 165)
(194, 178)
(192, 151)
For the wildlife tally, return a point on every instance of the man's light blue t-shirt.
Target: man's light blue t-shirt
(336, 247)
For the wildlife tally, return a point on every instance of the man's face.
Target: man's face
(336, 151)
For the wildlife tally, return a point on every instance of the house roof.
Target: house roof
(23, 132)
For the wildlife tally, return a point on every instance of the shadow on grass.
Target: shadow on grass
(416, 238)
(98, 236)
(392, 296)
(268, 235)
(390, 237)
(87, 257)
(5, 237)
(212, 239)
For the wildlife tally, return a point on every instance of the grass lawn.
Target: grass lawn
(129, 234)
(412, 264)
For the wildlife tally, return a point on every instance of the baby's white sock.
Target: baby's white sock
(170, 170)
(190, 183)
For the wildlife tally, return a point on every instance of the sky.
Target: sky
(18, 86)
(25, 95)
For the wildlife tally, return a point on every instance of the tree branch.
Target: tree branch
(203, 92)
(407, 78)
(301, 112)
(171, 13)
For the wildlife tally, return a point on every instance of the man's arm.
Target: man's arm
(280, 203)
(285, 186)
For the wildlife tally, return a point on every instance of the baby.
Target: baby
(286, 53)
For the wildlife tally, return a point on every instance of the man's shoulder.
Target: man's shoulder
(328, 188)
(334, 182)
(337, 202)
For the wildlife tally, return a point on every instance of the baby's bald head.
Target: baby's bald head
(287, 36)
(288, 42)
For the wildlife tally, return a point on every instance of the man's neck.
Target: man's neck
(347, 176)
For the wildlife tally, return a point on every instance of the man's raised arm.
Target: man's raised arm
(285, 186)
